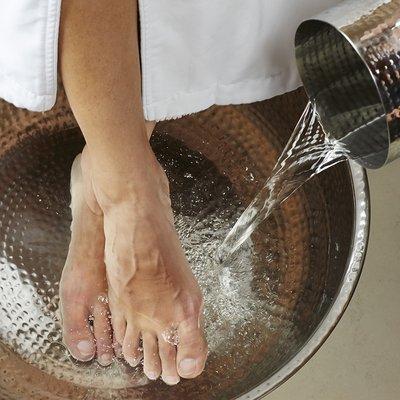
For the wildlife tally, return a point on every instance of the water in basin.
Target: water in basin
(260, 308)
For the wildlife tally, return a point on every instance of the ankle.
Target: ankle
(108, 187)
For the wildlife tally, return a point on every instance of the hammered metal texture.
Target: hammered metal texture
(349, 61)
(216, 161)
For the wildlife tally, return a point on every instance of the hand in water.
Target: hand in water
(151, 288)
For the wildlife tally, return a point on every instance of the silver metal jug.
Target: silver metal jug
(349, 60)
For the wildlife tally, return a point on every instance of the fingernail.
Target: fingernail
(188, 366)
(171, 380)
(85, 348)
(105, 360)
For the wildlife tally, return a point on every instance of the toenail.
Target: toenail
(133, 361)
(152, 375)
(188, 366)
(105, 360)
(85, 348)
(171, 380)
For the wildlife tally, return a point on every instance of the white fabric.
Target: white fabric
(195, 53)
(28, 52)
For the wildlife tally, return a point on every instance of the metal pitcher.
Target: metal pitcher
(349, 60)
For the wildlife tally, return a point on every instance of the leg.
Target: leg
(151, 286)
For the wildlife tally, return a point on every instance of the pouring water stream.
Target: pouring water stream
(308, 152)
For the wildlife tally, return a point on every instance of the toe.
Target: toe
(117, 348)
(152, 362)
(119, 330)
(168, 362)
(77, 334)
(192, 349)
(131, 350)
(103, 335)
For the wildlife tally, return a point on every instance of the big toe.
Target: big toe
(192, 349)
(77, 334)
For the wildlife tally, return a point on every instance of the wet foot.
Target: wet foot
(85, 315)
(155, 301)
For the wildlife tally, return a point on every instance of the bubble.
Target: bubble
(171, 336)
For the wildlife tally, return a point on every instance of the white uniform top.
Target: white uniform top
(195, 53)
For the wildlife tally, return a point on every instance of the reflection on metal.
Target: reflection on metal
(349, 61)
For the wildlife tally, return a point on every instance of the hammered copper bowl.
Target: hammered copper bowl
(264, 321)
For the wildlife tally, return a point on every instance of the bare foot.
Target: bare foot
(152, 291)
(83, 286)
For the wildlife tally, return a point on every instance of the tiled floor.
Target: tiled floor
(361, 359)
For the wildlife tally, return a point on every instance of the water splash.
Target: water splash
(171, 336)
(103, 298)
(308, 153)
